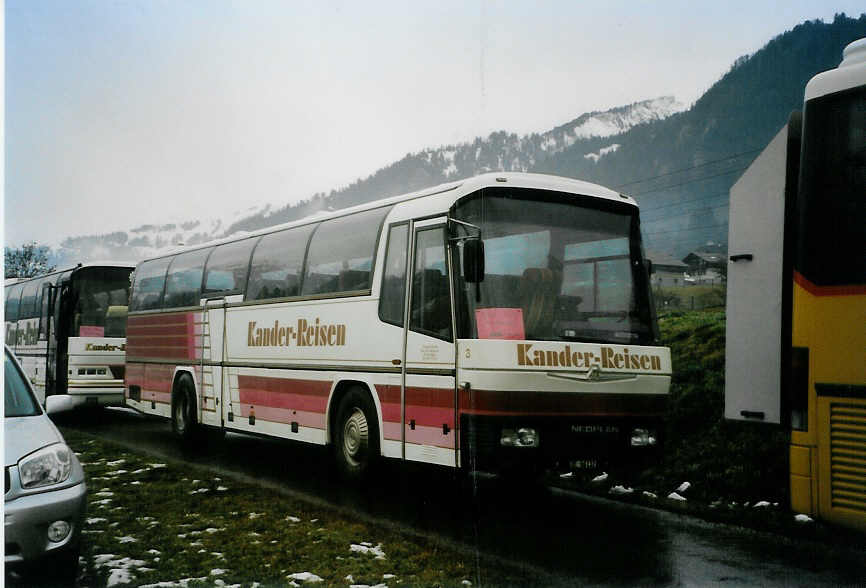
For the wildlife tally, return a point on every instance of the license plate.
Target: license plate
(584, 464)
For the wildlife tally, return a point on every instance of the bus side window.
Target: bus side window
(431, 301)
(277, 263)
(341, 253)
(149, 284)
(394, 279)
(183, 282)
(226, 269)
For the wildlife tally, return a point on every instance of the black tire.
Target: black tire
(356, 434)
(184, 423)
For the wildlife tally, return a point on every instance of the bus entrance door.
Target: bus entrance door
(428, 398)
(212, 358)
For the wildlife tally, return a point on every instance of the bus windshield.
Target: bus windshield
(101, 296)
(557, 268)
(832, 185)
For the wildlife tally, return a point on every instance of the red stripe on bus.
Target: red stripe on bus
(313, 420)
(309, 395)
(816, 290)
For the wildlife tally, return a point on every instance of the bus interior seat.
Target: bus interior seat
(538, 292)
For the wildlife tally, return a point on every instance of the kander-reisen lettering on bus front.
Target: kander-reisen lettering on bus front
(606, 358)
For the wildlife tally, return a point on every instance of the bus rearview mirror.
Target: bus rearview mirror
(473, 261)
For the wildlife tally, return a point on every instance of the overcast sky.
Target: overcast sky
(123, 112)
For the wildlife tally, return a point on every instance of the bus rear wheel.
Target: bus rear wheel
(356, 438)
(183, 420)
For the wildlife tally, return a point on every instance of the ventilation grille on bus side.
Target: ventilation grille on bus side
(848, 456)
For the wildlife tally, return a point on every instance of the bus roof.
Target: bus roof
(850, 73)
(455, 190)
(121, 264)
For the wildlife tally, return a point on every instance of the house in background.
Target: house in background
(667, 270)
(707, 264)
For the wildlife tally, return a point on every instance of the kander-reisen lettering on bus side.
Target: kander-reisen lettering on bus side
(302, 334)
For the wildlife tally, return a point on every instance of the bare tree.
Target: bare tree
(28, 261)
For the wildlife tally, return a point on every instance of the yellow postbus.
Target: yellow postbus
(796, 337)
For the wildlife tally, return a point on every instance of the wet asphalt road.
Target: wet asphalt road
(565, 538)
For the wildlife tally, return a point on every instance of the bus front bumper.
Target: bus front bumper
(84, 398)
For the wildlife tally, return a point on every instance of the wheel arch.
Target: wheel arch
(179, 372)
(338, 391)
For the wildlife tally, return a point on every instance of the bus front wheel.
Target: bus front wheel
(183, 421)
(356, 439)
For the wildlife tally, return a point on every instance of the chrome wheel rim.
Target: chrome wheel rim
(356, 437)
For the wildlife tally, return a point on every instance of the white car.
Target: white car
(45, 493)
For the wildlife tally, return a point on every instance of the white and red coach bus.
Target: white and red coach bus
(68, 329)
(476, 324)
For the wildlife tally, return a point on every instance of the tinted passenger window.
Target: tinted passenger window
(183, 283)
(148, 286)
(394, 280)
(227, 267)
(277, 264)
(13, 302)
(341, 254)
(29, 300)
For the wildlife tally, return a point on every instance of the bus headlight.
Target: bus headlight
(523, 437)
(643, 438)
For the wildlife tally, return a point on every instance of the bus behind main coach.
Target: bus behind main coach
(482, 324)
(68, 329)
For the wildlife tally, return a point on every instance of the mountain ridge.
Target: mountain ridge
(678, 163)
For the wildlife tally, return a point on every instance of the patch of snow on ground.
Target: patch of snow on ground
(116, 463)
(222, 489)
(600, 478)
(306, 577)
(649, 495)
(761, 504)
(684, 486)
(217, 572)
(801, 518)
(620, 490)
(127, 539)
(159, 465)
(182, 583)
(95, 520)
(121, 569)
(103, 494)
(566, 475)
(255, 515)
(292, 519)
(675, 496)
(367, 548)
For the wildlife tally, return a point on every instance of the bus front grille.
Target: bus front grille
(848, 456)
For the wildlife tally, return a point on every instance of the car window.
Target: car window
(19, 399)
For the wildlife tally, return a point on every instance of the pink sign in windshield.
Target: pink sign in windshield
(500, 323)
(88, 331)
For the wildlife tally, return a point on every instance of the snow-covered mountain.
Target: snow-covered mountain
(500, 151)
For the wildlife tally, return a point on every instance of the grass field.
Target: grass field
(155, 523)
